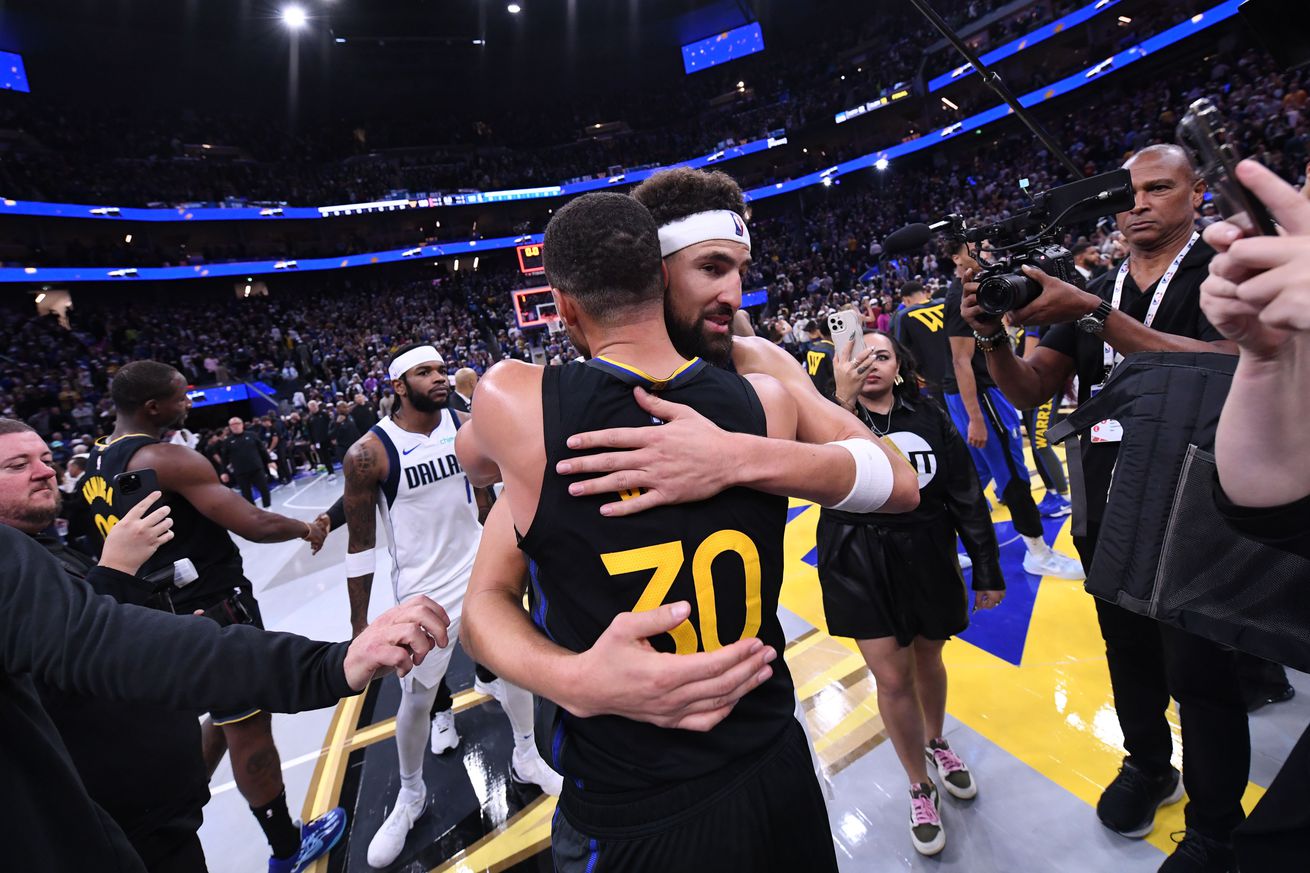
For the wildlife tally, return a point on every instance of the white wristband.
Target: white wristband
(873, 477)
(359, 564)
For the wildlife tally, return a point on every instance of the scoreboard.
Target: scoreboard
(534, 307)
(530, 259)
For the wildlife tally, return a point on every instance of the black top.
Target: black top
(1179, 314)
(317, 426)
(817, 357)
(244, 453)
(344, 432)
(722, 555)
(154, 773)
(55, 630)
(950, 495)
(364, 417)
(209, 546)
(956, 326)
(1285, 527)
(922, 329)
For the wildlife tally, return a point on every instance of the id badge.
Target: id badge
(1108, 431)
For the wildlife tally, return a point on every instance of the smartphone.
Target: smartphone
(133, 487)
(1203, 132)
(847, 330)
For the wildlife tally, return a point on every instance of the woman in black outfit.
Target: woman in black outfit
(893, 582)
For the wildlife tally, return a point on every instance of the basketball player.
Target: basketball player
(742, 795)
(405, 467)
(688, 459)
(150, 398)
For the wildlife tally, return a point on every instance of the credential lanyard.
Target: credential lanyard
(1110, 356)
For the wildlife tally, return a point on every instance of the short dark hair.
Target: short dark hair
(140, 382)
(13, 425)
(603, 250)
(1081, 247)
(910, 288)
(674, 194)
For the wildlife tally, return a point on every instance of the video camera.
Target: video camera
(1034, 237)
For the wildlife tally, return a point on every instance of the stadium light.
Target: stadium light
(513, 9)
(40, 297)
(880, 164)
(949, 103)
(294, 17)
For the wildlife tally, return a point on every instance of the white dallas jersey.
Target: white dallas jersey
(429, 513)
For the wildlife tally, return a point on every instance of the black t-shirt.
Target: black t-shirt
(956, 326)
(922, 330)
(1179, 314)
(818, 357)
(244, 453)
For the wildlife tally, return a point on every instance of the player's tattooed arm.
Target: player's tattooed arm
(365, 465)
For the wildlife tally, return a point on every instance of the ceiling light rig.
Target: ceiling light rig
(294, 17)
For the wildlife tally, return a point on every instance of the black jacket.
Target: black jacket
(58, 631)
(318, 425)
(140, 763)
(245, 453)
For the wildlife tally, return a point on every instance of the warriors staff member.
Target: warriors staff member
(150, 398)
(1152, 303)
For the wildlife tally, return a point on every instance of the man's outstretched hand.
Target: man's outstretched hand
(622, 674)
(398, 640)
(684, 460)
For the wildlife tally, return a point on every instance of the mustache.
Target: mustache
(722, 309)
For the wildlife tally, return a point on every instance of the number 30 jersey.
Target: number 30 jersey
(722, 555)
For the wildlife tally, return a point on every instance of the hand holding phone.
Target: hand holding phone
(1204, 133)
(847, 331)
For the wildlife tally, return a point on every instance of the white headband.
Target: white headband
(412, 358)
(702, 226)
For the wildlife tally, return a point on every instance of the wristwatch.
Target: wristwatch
(1094, 321)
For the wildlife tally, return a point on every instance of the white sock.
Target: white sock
(518, 707)
(1037, 546)
(413, 727)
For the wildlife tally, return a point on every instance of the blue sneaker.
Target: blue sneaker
(316, 839)
(1054, 505)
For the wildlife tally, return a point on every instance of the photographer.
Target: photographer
(1258, 295)
(1152, 303)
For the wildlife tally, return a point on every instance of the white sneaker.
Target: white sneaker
(926, 831)
(1052, 563)
(529, 767)
(387, 843)
(444, 735)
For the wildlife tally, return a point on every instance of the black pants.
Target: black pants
(174, 847)
(248, 481)
(763, 816)
(1149, 662)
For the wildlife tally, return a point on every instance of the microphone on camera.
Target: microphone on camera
(907, 239)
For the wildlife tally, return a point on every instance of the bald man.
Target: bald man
(1152, 303)
(461, 399)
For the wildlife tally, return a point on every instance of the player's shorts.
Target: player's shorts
(240, 608)
(1002, 458)
(430, 673)
(764, 814)
(888, 580)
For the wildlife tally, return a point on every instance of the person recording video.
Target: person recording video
(1258, 296)
(1151, 303)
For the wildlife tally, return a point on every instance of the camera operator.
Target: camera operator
(1152, 303)
(1258, 295)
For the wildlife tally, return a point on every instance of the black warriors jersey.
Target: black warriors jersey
(209, 546)
(722, 555)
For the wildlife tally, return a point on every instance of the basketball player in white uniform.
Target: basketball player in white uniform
(405, 469)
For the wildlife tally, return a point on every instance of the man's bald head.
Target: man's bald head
(466, 379)
(1167, 154)
(1167, 192)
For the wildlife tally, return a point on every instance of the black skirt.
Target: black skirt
(890, 581)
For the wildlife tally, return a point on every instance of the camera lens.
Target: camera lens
(998, 295)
